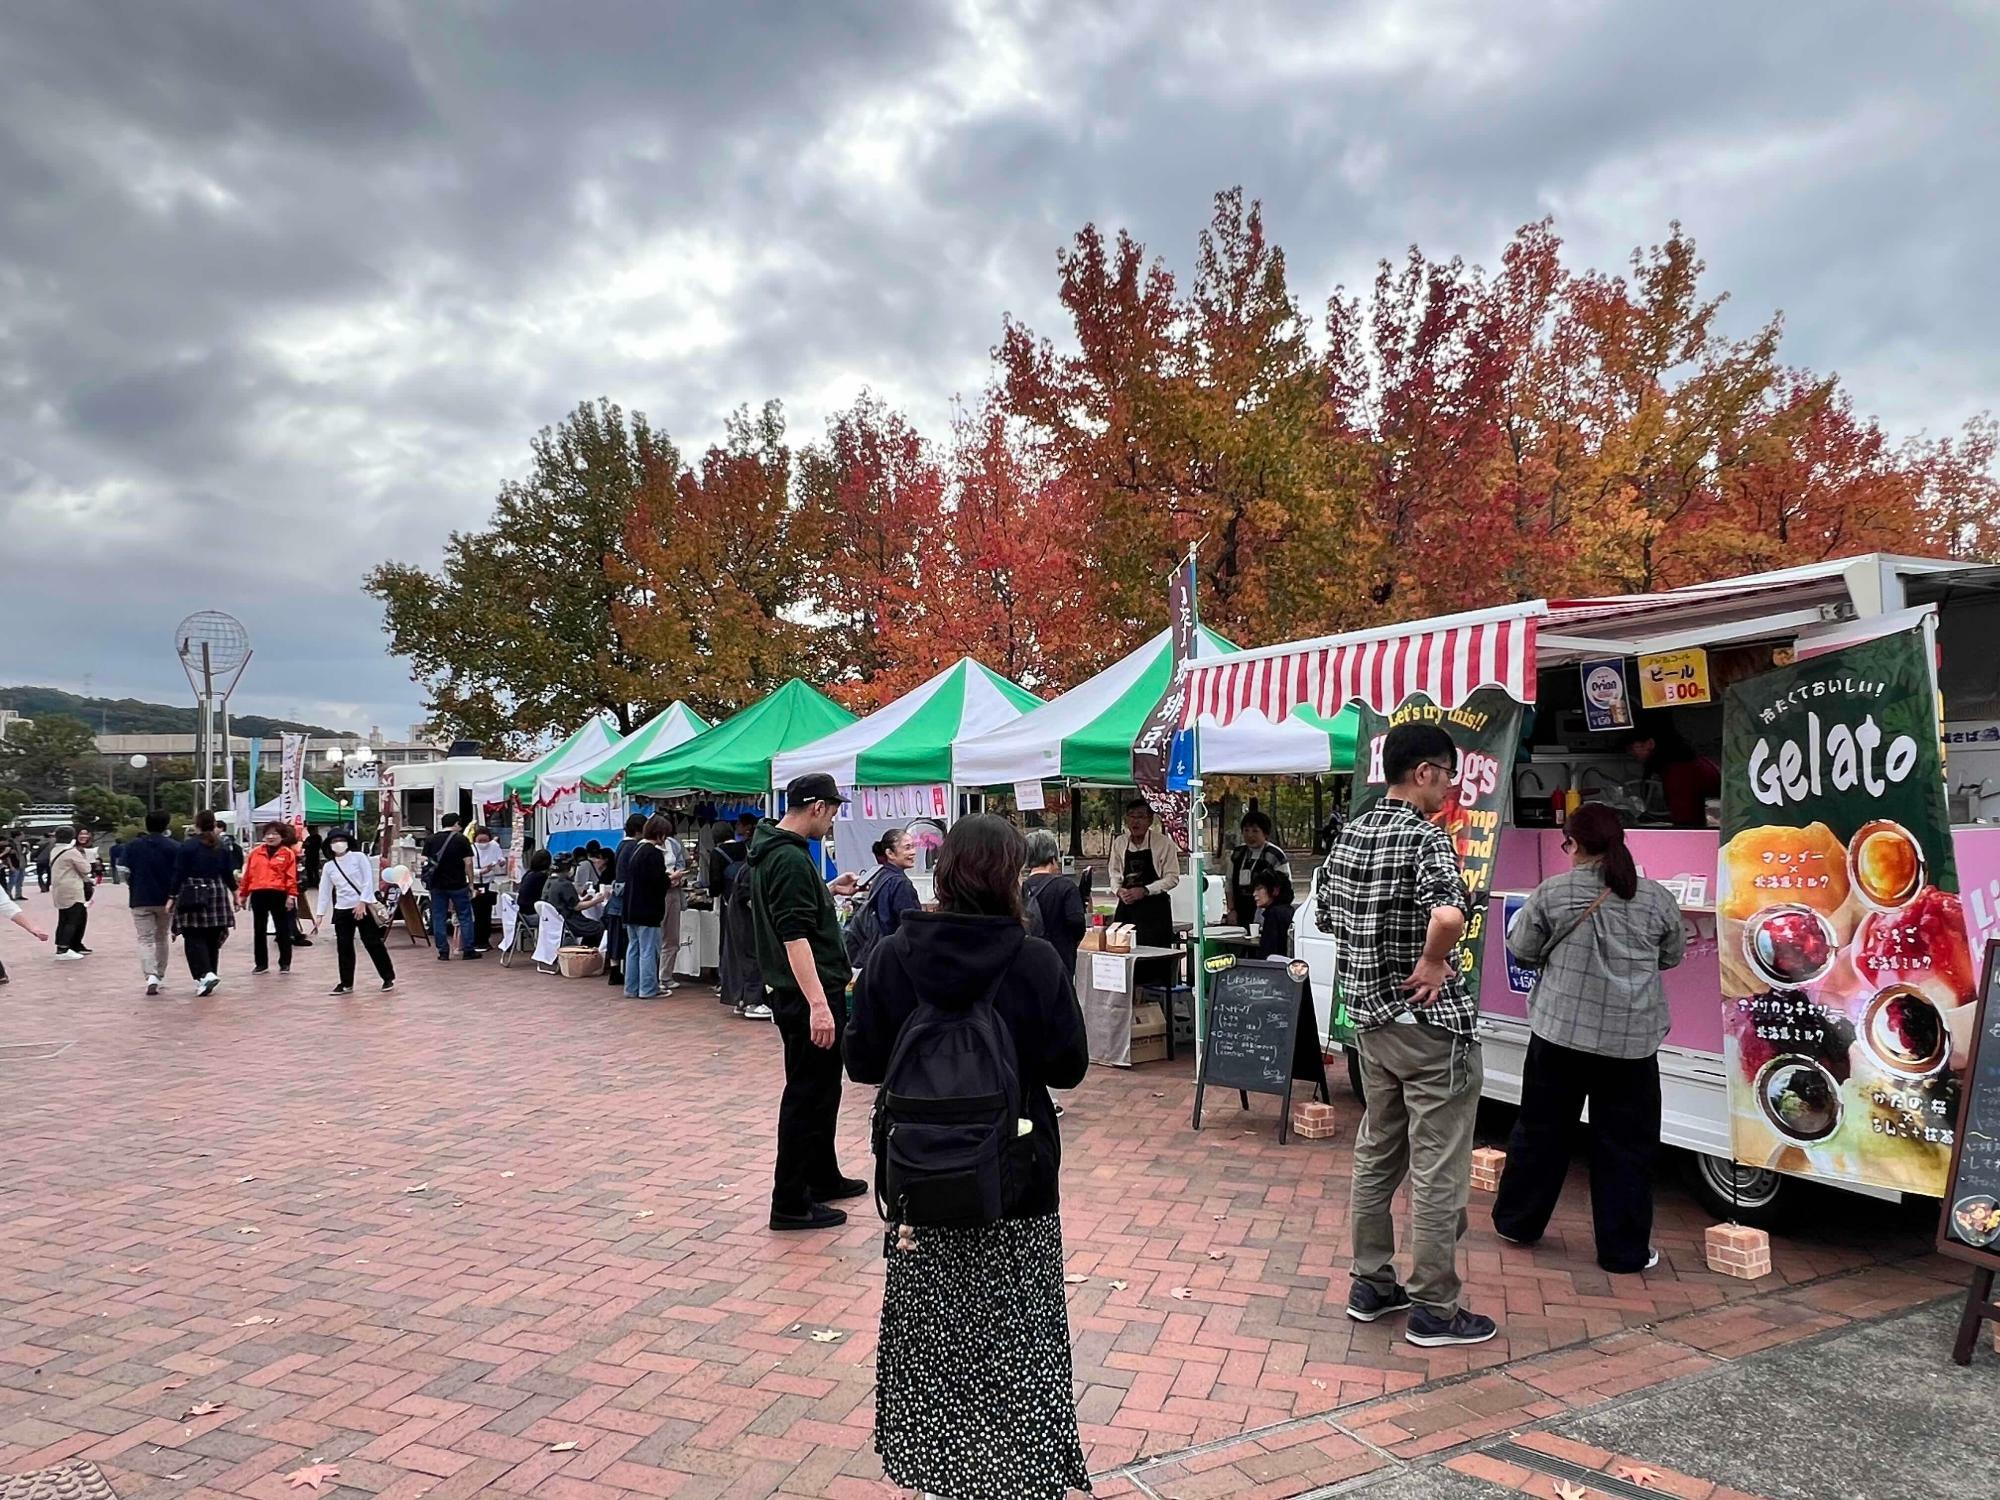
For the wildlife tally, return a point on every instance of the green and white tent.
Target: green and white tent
(1087, 734)
(908, 742)
(672, 726)
(588, 743)
(320, 809)
(735, 756)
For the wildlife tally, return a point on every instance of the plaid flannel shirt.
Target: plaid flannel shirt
(1387, 872)
(1599, 988)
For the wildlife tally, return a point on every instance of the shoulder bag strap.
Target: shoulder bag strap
(1567, 931)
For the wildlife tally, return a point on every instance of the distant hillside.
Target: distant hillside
(130, 716)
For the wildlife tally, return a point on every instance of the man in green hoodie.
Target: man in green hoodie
(805, 979)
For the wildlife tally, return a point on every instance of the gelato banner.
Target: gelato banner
(1487, 730)
(1847, 977)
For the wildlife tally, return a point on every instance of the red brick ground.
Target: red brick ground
(428, 1237)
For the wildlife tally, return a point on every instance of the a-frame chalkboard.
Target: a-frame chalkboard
(1253, 1040)
(1969, 1227)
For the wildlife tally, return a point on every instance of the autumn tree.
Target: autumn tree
(866, 493)
(1180, 418)
(712, 578)
(521, 634)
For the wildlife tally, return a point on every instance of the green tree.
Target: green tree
(101, 808)
(520, 634)
(44, 759)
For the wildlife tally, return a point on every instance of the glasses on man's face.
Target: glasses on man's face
(1439, 765)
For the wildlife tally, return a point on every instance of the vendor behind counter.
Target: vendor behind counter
(1686, 776)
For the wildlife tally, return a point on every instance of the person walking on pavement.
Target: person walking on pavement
(1394, 898)
(450, 885)
(269, 888)
(11, 912)
(645, 893)
(805, 972)
(204, 881)
(1599, 935)
(149, 874)
(43, 854)
(973, 1371)
(13, 870)
(348, 882)
(69, 879)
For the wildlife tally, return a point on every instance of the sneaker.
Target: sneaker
(207, 985)
(69, 957)
(81, 949)
(261, 969)
(1652, 1258)
(1366, 1302)
(388, 985)
(152, 984)
(302, 942)
(1510, 1239)
(1428, 1331)
(756, 1012)
(341, 989)
(444, 958)
(819, 1216)
(845, 1187)
(286, 969)
(469, 957)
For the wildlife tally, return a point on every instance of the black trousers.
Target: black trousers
(203, 946)
(345, 929)
(270, 905)
(1624, 1098)
(614, 944)
(70, 922)
(808, 1113)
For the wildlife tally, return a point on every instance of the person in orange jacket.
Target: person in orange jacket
(270, 888)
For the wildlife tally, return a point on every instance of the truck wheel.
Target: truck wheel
(1755, 1196)
(1354, 1073)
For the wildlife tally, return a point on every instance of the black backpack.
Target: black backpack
(948, 1149)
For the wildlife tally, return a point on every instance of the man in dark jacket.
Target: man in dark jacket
(805, 975)
(149, 876)
(614, 909)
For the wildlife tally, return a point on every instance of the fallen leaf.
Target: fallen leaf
(1220, 1217)
(135, 1270)
(253, 1322)
(506, 1174)
(1075, 1280)
(1218, 1255)
(1180, 1294)
(1158, 1095)
(251, 1178)
(312, 1476)
(564, 1447)
(1119, 1286)
(422, 1187)
(1638, 1473)
(202, 1409)
(797, 1326)
(1570, 1491)
(249, 1229)
(1319, 1385)
(173, 1385)
(827, 1336)
(644, 1213)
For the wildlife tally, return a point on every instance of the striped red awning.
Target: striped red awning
(1447, 663)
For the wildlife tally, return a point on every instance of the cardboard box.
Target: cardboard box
(1149, 1049)
(1148, 1020)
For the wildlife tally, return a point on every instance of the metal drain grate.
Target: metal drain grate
(1562, 1468)
(76, 1481)
(32, 1051)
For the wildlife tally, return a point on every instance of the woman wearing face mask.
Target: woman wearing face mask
(269, 887)
(347, 886)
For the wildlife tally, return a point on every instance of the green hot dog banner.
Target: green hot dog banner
(1486, 727)
(1847, 977)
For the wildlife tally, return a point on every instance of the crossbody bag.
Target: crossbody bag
(377, 912)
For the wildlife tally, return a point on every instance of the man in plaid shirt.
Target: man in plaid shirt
(1394, 899)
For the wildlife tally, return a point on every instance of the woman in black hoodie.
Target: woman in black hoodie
(973, 1395)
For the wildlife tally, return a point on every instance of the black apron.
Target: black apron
(1152, 917)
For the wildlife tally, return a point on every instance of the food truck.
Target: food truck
(1583, 672)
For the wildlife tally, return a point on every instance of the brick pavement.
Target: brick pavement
(430, 1237)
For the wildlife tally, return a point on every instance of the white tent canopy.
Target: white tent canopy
(908, 742)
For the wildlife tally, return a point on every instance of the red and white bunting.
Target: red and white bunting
(1445, 665)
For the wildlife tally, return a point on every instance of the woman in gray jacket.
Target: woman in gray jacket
(1599, 935)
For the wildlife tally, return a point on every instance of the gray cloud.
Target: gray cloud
(285, 289)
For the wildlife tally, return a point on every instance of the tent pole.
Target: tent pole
(1075, 821)
(1197, 837)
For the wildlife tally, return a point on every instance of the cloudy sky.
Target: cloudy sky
(286, 288)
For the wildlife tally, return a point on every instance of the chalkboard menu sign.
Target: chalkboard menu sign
(1254, 1042)
(1971, 1225)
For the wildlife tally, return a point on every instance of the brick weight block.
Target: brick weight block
(1738, 1250)
(1315, 1121)
(1487, 1164)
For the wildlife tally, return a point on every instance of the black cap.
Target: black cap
(817, 787)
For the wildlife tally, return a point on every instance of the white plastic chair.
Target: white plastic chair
(548, 935)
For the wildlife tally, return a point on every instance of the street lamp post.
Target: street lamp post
(140, 763)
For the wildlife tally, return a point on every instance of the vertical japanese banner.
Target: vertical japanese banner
(1163, 784)
(292, 783)
(1847, 978)
(1486, 728)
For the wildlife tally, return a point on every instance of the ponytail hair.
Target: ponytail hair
(1597, 830)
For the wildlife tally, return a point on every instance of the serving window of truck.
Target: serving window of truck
(1747, 731)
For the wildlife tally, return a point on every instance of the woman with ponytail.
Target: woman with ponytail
(1599, 935)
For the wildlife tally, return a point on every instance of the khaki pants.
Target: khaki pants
(1423, 1088)
(154, 929)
